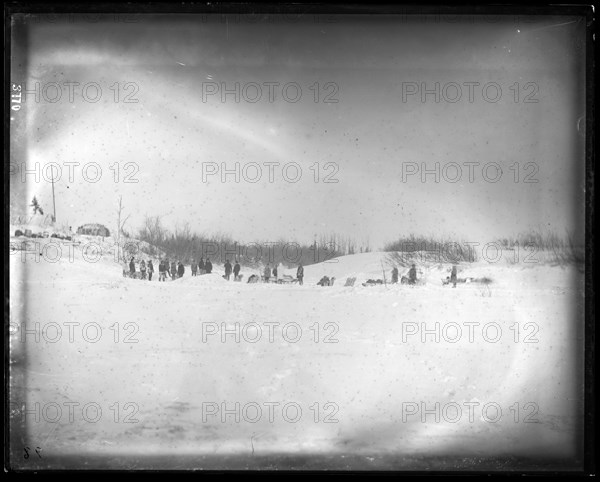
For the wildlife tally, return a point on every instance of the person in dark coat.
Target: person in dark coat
(227, 269)
(412, 275)
(132, 267)
(236, 270)
(275, 272)
(162, 271)
(267, 273)
(180, 270)
(194, 267)
(300, 274)
(453, 276)
(201, 266)
(395, 275)
(173, 270)
(208, 266)
(150, 270)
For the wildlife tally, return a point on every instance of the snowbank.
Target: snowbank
(362, 371)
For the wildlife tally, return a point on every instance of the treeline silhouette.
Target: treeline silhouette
(440, 249)
(183, 244)
(537, 245)
(556, 249)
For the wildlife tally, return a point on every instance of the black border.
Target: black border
(303, 463)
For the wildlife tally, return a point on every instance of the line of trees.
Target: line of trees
(545, 245)
(184, 244)
(556, 249)
(418, 248)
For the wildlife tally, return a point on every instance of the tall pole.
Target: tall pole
(53, 200)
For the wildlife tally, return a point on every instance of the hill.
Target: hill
(362, 364)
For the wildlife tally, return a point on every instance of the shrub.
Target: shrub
(417, 248)
(550, 247)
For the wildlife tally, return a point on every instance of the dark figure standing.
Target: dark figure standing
(394, 275)
(173, 270)
(150, 270)
(162, 271)
(132, 267)
(453, 276)
(180, 270)
(201, 266)
(194, 267)
(267, 273)
(300, 274)
(412, 275)
(236, 270)
(208, 266)
(227, 269)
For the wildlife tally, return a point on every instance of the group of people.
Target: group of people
(201, 267)
(269, 273)
(175, 270)
(229, 269)
(411, 279)
(146, 271)
(412, 276)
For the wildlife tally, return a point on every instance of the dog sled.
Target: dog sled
(373, 282)
(287, 279)
(484, 280)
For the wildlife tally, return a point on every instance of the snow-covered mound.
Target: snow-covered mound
(209, 279)
(362, 363)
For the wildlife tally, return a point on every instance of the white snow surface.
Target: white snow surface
(360, 378)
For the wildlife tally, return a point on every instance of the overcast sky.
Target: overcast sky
(371, 133)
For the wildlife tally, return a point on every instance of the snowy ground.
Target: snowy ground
(162, 368)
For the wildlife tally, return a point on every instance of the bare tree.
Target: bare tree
(153, 232)
(121, 220)
(367, 244)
